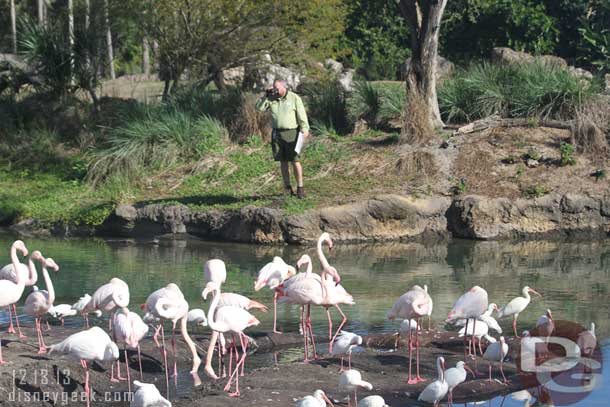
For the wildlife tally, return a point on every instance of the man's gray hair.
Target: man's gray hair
(281, 81)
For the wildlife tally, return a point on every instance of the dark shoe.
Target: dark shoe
(288, 190)
(300, 193)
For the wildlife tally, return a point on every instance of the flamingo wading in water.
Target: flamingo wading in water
(234, 320)
(471, 305)
(129, 330)
(273, 275)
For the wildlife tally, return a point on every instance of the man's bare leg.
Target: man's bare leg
(298, 173)
(285, 174)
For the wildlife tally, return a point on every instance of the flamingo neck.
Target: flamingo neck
(190, 343)
(33, 277)
(15, 261)
(49, 284)
(321, 255)
(309, 269)
(212, 310)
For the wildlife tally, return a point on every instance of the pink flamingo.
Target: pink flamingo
(38, 302)
(130, 330)
(215, 271)
(92, 344)
(414, 304)
(109, 298)
(273, 275)
(304, 289)
(334, 293)
(516, 306)
(169, 303)
(231, 300)
(229, 319)
(471, 305)
(10, 292)
(8, 273)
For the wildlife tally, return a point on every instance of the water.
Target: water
(572, 277)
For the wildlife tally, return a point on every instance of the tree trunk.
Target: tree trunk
(87, 14)
(41, 20)
(110, 51)
(71, 33)
(145, 56)
(423, 19)
(13, 26)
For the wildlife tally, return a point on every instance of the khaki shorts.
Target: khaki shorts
(283, 143)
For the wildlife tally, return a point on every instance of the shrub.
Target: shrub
(524, 90)
(393, 101)
(327, 105)
(155, 141)
(365, 103)
(567, 154)
(10, 210)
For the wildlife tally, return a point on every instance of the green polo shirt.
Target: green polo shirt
(287, 112)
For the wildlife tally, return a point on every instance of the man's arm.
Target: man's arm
(262, 104)
(302, 116)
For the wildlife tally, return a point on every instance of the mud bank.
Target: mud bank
(59, 381)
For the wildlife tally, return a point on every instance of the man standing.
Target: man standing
(288, 118)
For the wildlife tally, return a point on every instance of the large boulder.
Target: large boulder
(444, 68)
(234, 76)
(507, 56)
(260, 75)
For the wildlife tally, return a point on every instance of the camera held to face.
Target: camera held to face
(272, 93)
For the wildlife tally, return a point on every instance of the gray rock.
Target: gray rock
(234, 76)
(444, 68)
(335, 66)
(580, 73)
(126, 212)
(346, 79)
(503, 55)
(532, 163)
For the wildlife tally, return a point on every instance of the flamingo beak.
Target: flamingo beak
(204, 293)
(328, 400)
(531, 290)
(259, 284)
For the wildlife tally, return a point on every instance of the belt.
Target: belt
(285, 129)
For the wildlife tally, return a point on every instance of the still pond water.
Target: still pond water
(574, 279)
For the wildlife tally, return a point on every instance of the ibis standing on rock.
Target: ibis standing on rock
(496, 352)
(516, 306)
(318, 399)
(346, 341)
(455, 376)
(436, 391)
(372, 401)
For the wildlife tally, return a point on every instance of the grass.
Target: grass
(528, 90)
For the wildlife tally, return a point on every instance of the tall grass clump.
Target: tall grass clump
(393, 101)
(520, 90)
(365, 103)
(159, 140)
(327, 106)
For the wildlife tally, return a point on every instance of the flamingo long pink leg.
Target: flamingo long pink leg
(343, 322)
(11, 328)
(164, 352)
(313, 342)
(304, 329)
(244, 344)
(42, 348)
(84, 364)
(410, 380)
(502, 370)
(175, 374)
(330, 327)
(21, 336)
(466, 338)
(86, 316)
(418, 377)
(127, 368)
(515, 326)
(275, 312)
(490, 364)
(156, 335)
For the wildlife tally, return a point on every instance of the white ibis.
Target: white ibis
(545, 324)
(62, 311)
(197, 317)
(437, 390)
(372, 401)
(346, 341)
(318, 399)
(351, 380)
(455, 376)
(147, 395)
(517, 305)
(405, 329)
(496, 352)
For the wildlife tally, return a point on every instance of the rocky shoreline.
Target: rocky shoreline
(386, 217)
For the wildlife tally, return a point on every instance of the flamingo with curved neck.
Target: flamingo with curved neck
(334, 294)
(38, 302)
(10, 292)
(234, 320)
(29, 275)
